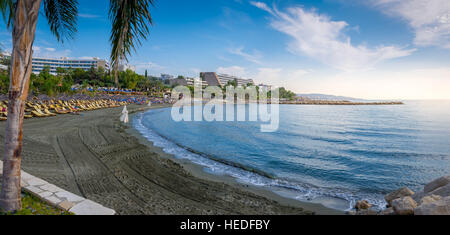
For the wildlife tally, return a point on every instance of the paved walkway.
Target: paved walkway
(60, 198)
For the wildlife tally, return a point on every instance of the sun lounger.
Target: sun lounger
(37, 114)
(60, 111)
(49, 113)
(40, 112)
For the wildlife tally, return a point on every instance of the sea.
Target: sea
(332, 155)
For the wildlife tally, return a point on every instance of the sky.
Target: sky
(373, 49)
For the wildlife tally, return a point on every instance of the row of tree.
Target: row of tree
(65, 79)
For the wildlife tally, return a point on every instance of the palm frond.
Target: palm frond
(130, 25)
(62, 16)
(7, 8)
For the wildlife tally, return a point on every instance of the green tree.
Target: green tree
(129, 79)
(286, 94)
(78, 75)
(232, 83)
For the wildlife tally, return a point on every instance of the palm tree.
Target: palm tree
(129, 27)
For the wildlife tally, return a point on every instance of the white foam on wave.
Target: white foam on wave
(287, 188)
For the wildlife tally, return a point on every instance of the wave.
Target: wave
(247, 175)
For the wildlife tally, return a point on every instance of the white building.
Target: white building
(85, 64)
(196, 81)
(166, 76)
(266, 87)
(225, 78)
(214, 79)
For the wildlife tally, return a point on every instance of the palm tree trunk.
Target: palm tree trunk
(26, 15)
(116, 75)
(120, 57)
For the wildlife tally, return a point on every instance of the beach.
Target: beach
(95, 156)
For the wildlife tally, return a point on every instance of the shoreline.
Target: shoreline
(326, 102)
(94, 156)
(199, 172)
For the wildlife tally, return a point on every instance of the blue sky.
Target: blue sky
(390, 49)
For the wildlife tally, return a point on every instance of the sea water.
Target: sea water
(334, 155)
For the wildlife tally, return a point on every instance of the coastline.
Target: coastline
(198, 172)
(94, 156)
(326, 102)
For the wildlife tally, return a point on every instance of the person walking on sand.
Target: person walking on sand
(124, 117)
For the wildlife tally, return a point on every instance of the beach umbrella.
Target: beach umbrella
(124, 117)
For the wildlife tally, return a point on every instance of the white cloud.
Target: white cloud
(263, 6)
(254, 57)
(50, 49)
(430, 19)
(233, 70)
(318, 37)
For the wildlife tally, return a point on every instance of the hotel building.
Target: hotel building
(167, 77)
(214, 79)
(85, 64)
(187, 82)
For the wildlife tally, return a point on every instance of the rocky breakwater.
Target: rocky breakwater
(434, 199)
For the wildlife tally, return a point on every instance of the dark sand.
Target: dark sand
(95, 156)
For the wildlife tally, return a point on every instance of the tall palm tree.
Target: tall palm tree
(129, 26)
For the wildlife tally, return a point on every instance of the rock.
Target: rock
(388, 211)
(418, 196)
(437, 183)
(403, 192)
(443, 191)
(362, 205)
(404, 206)
(430, 199)
(440, 207)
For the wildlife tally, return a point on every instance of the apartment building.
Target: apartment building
(86, 64)
(214, 79)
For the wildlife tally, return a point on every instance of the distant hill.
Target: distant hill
(328, 97)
